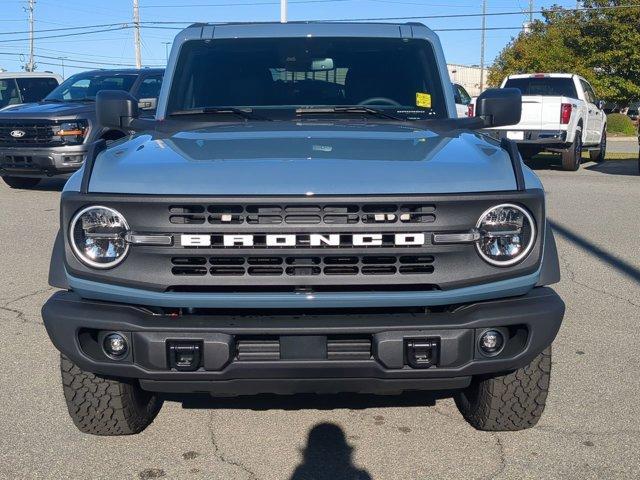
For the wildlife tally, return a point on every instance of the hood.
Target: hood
(289, 158)
(43, 110)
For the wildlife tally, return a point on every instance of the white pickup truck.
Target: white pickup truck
(560, 113)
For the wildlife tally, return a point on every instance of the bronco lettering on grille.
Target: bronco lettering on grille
(306, 240)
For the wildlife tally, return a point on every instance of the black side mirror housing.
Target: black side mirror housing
(499, 107)
(116, 109)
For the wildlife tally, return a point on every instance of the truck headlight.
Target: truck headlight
(507, 234)
(72, 132)
(97, 236)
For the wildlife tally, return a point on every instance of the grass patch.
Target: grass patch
(620, 125)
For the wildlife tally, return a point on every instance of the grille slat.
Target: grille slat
(303, 214)
(333, 265)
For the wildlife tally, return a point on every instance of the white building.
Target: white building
(468, 77)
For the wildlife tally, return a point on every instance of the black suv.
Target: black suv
(52, 137)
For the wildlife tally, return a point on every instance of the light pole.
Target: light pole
(283, 11)
(482, 43)
(62, 59)
(136, 32)
(166, 51)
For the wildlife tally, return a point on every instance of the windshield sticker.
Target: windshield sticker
(423, 100)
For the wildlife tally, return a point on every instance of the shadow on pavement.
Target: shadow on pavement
(630, 167)
(51, 185)
(349, 401)
(620, 265)
(328, 456)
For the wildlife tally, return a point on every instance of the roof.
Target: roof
(30, 75)
(124, 71)
(537, 74)
(305, 29)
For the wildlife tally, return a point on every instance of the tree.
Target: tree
(600, 43)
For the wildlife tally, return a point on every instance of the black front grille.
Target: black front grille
(303, 214)
(302, 266)
(28, 132)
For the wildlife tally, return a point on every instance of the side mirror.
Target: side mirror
(600, 104)
(116, 109)
(499, 107)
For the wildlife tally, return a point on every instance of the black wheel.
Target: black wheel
(105, 406)
(21, 182)
(572, 156)
(600, 154)
(514, 401)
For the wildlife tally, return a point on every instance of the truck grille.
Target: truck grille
(36, 132)
(317, 214)
(329, 265)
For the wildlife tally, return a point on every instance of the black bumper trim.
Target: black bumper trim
(540, 313)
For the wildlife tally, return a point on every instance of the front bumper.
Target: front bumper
(531, 322)
(43, 161)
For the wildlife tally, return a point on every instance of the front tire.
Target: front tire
(105, 406)
(21, 182)
(599, 155)
(510, 402)
(572, 156)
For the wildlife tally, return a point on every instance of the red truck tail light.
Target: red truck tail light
(470, 111)
(565, 113)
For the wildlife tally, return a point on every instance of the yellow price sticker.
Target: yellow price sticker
(423, 100)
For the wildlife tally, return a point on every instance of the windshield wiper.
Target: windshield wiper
(353, 109)
(247, 113)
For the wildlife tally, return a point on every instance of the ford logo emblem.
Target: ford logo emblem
(17, 133)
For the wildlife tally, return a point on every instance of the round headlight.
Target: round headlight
(507, 234)
(97, 236)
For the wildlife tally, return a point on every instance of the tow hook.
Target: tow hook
(423, 352)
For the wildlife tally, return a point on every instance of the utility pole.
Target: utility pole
(283, 11)
(482, 43)
(31, 66)
(530, 12)
(136, 32)
(62, 59)
(166, 51)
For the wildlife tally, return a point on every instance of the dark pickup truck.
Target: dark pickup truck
(52, 137)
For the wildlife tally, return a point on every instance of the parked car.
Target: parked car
(632, 113)
(52, 137)
(366, 241)
(463, 101)
(560, 113)
(26, 87)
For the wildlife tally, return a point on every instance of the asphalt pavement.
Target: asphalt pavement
(590, 430)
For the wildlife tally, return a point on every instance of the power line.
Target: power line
(236, 4)
(68, 34)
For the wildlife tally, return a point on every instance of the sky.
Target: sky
(107, 49)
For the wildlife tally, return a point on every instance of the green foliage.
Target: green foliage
(602, 45)
(619, 124)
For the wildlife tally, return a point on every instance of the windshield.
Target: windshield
(85, 86)
(546, 86)
(398, 75)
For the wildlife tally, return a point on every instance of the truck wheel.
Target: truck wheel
(105, 406)
(572, 156)
(514, 401)
(598, 155)
(21, 182)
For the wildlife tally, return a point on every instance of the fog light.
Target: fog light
(115, 345)
(491, 342)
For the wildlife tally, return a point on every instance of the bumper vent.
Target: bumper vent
(337, 348)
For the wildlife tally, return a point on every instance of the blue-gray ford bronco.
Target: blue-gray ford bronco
(305, 213)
